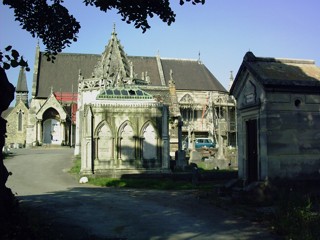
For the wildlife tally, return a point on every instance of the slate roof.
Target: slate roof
(191, 75)
(63, 73)
(6, 112)
(281, 73)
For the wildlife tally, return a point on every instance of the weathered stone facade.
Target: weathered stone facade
(119, 137)
(122, 129)
(278, 118)
(16, 125)
(17, 116)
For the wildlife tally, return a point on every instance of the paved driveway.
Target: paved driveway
(41, 182)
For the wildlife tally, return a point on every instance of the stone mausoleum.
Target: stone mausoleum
(121, 128)
(278, 118)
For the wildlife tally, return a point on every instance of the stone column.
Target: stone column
(77, 147)
(39, 131)
(165, 139)
(63, 132)
(181, 161)
(220, 140)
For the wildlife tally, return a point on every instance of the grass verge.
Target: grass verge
(155, 184)
(75, 169)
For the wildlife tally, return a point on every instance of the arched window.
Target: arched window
(127, 144)
(104, 143)
(187, 108)
(20, 121)
(149, 146)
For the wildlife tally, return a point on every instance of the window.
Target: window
(20, 121)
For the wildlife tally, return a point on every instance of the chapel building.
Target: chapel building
(120, 111)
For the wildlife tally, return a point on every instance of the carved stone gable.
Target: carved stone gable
(250, 93)
(114, 64)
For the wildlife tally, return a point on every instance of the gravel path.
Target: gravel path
(40, 180)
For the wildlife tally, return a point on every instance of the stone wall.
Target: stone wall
(293, 134)
(16, 137)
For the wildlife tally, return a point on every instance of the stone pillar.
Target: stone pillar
(165, 139)
(63, 132)
(39, 131)
(77, 147)
(220, 154)
(181, 161)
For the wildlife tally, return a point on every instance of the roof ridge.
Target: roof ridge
(180, 59)
(285, 60)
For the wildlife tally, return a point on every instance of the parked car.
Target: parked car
(204, 143)
(199, 143)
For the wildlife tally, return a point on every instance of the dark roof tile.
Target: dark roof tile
(285, 72)
(62, 75)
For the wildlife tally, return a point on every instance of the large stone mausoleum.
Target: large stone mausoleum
(278, 117)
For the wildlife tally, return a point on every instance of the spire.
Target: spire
(22, 88)
(35, 71)
(113, 64)
(231, 79)
(22, 81)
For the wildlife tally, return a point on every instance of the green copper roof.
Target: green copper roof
(124, 93)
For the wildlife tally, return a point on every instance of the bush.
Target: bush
(296, 217)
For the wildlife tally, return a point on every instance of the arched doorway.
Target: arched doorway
(52, 132)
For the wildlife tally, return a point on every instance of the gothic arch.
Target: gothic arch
(100, 125)
(52, 103)
(88, 116)
(149, 137)
(187, 99)
(52, 131)
(127, 143)
(104, 142)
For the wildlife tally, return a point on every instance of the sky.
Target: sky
(219, 32)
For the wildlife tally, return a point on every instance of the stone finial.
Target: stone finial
(199, 57)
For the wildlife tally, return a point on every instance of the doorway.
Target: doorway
(252, 150)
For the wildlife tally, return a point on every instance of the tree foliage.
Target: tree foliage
(50, 21)
(11, 58)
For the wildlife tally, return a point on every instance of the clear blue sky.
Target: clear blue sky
(221, 30)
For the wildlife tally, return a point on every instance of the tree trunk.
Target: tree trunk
(6, 97)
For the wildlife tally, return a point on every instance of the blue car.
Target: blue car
(204, 143)
(199, 143)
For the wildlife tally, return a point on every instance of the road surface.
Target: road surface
(41, 181)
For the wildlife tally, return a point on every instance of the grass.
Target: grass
(75, 169)
(297, 216)
(143, 183)
(140, 183)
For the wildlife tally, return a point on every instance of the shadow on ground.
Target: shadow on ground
(111, 213)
